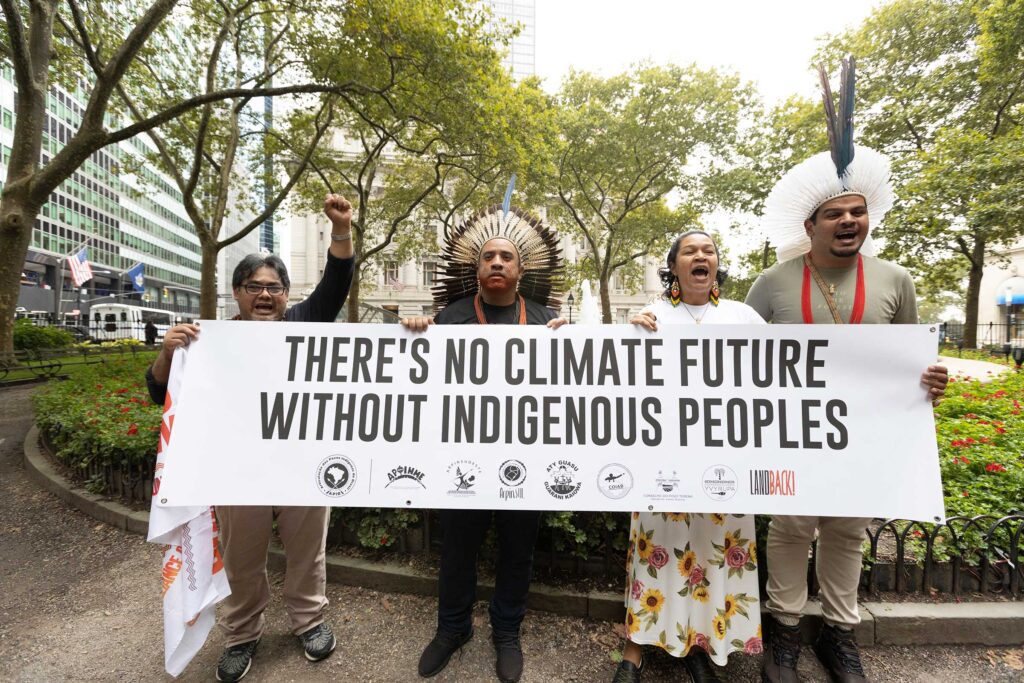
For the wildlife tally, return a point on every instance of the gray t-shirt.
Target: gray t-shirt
(889, 293)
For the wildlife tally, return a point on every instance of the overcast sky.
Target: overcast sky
(769, 42)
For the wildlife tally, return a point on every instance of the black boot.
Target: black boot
(700, 667)
(628, 672)
(509, 665)
(837, 650)
(436, 655)
(781, 654)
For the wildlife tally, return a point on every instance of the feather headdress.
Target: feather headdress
(846, 169)
(537, 244)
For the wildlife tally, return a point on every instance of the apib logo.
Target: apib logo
(336, 476)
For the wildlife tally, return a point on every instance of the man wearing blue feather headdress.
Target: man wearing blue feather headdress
(817, 216)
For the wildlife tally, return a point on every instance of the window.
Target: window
(622, 315)
(391, 273)
(429, 273)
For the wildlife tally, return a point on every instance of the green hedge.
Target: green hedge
(29, 337)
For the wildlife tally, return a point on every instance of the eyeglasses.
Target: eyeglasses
(272, 290)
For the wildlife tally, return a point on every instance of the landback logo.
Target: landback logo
(772, 483)
(405, 477)
(512, 474)
(615, 481)
(562, 481)
(463, 475)
(719, 482)
(336, 476)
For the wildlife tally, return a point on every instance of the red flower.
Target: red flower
(384, 540)
(658, 557)
(994, 467)
(701, 641)
(1000, 430)
(125, 409)
(637, 589)
(697, 575)
(965, 494)
(736, 556)
(99, 386)
(970, 416)
(133, 430)
(753, 646)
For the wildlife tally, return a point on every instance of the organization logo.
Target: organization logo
(614, 480)
(405, 477)
(667, 487)
(563, 479)
(462, 477)
(772, 483)
(719, 482)
(336, 476)
(512, 474)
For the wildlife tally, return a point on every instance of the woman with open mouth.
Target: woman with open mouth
(691, 578)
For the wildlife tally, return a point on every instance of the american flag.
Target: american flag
(80, 270)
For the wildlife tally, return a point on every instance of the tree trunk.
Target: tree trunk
(208, 283)
(353, 293)
(973, 291)
(606, 301)
(15, 234)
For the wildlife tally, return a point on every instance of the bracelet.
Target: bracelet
(341, 238)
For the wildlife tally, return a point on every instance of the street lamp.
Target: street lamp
(570, 299)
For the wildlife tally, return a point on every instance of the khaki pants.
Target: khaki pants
(245, 540)
(839, 562)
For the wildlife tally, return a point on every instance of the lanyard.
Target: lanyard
(482, 319)
(858, 300)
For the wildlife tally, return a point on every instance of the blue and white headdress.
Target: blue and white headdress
(847, 169)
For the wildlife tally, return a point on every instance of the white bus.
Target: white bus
(120, 321)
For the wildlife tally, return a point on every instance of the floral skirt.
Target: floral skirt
(692, 580)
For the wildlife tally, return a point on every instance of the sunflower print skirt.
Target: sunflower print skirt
(692, 581)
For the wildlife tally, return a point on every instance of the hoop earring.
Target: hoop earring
(676, 292)
(713, 295)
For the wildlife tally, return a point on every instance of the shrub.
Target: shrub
(29, 337)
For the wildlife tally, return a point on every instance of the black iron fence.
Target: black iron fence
(989, 335)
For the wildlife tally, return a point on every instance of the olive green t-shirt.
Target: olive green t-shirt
(889, 293)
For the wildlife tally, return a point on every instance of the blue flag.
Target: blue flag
(136, 274)
(507, 201)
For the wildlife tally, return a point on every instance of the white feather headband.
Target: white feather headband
(813, 182)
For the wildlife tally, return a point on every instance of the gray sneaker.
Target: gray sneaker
(235, 661)
(318, 642)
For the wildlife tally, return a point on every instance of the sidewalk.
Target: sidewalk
(80, 601)
(960, 368)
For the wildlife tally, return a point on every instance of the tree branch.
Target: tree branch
(21, 58)
(83, 37)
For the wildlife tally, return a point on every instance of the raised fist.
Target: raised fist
(339, 211)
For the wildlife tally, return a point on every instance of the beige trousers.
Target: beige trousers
(245, 540)
(839, 562)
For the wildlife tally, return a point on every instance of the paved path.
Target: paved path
(80, 602)
(975, 369)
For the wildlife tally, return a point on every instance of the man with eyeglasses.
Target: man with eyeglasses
(260, 284)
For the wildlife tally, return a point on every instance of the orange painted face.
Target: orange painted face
(498, 268)
(839, 228)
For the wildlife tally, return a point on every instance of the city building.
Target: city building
(520, 58)
(1001, 298)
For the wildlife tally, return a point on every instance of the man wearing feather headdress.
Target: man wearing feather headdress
(503, 267)
(819, 217)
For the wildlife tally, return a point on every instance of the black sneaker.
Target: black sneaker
(781, 653)
(699, 666)
(235, 661)
(837, 651)
(318, 642)
(509, 666)
(628, 672)
(436, 655)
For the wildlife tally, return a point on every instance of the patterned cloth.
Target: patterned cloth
(692, 578)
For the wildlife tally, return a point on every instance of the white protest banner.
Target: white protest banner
(801, 419)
